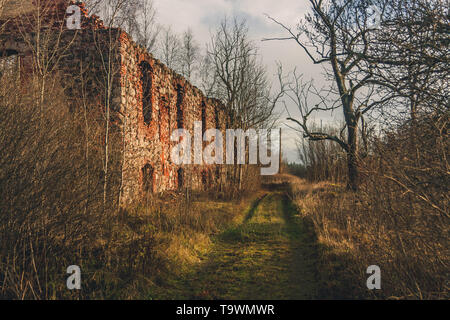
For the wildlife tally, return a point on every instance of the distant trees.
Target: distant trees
(170, 49)
(136, 17)
(140, 22)
(139, 19)
(322, 160)
(190, 54)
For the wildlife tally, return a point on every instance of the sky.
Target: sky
(202, 16)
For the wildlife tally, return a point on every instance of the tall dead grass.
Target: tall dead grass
(359, 230)
(398, 220)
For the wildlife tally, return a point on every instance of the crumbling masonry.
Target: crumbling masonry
(149, 99)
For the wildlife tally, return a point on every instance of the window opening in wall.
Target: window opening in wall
(205, 179)
(147, 174)
(180, 177)
(146, 79)
(216, 114)
(180, 97)
(217, 173)
(203, 116)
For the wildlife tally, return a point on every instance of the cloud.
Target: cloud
(202, 15)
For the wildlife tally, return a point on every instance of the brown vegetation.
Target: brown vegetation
(398, 220)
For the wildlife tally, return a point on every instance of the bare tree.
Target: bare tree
(113, 13)
(324, 160)
(149, 29)
(170, 49)
(47, 42)
(337, 35)
(238, 78)
(139, 20)
(410, 54)
(410, 59)
(234, 74)
(190, 54)
(137, 17)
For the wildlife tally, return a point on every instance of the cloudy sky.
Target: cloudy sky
(202, 17)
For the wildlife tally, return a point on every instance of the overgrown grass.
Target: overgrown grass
(153, 244)
(265, 253)
(380, 228)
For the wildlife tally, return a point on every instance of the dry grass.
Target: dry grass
(153, 243)
(405, 238)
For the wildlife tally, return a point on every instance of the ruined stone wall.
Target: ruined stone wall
(151, 117)
(149, 101)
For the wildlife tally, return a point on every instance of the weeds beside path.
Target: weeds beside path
(269, 254)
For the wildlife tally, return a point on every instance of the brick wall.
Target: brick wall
(156, 101)
(149, 100)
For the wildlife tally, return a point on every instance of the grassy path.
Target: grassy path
(268, 255)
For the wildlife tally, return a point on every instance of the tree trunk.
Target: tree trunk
(352, 159)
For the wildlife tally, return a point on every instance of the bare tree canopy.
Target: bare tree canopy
(337, 35)
(238, 78)
(409, 56)
(136, 17)
(170, 49)
(190, 54)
